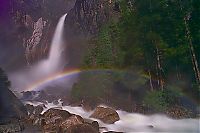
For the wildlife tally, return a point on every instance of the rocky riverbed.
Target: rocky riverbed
(56, 118)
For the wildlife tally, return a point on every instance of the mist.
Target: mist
(43, 69)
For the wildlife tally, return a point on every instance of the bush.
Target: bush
(161, 100)
(155, 100)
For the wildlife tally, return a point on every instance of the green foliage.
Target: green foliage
(105, 51)
(196, 91)
(130, 79)
(95, 85)
(161, 100)
(156, 100)
(146, 30)
(92, 85)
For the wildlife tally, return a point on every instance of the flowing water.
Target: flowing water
(57, 44)
(137, 123)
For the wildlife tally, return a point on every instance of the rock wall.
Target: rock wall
(88, 16)
(10, 106)
(27, 27)
(32, 43)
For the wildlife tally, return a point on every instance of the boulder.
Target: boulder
(56, 113)
(94, 124)
(38, 110)
(43, 106)
(51, 128)
(56, 120)
(38, 120)
(71, 121)
(28, 95)
(53, 118)
(82, 128)
(112, 132)
(30, 108)
(55, 102)
(150, 126)
(107, 115)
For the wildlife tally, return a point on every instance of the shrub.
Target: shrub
(161, 100)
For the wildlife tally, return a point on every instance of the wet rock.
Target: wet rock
(65, 104)
(112, 132)
(82, 128)
(55, 102)
(94, 124)
(56, 113)
(43, 106)
(30, 108)
(52, 119)
(10, 128)
(70, 122)
(42, 95)
(60, 120)
(150, 126)
(38, 120)
(179, 112)
(52, 126)
(76, 104)
(107, 115)
(28, 95)
(30, 119)
(87, 107)
(38, 110)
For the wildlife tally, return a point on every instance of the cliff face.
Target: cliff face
(88, 16)
(10, 106)
(27, 27)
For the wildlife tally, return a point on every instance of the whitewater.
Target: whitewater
(133, 122)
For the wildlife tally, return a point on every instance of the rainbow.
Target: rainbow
(52, 78)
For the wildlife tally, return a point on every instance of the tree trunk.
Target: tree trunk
(150, 80)
(192, 52)
(178, 75)
(160, 79)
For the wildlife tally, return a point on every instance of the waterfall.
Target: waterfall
(22, 79)
(56, 45)
(53, 63)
